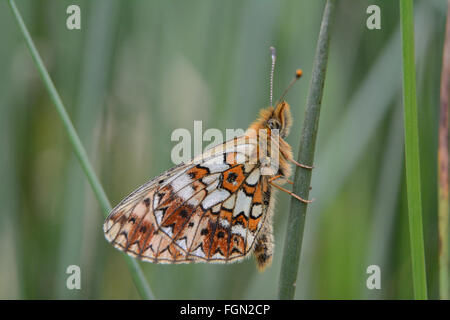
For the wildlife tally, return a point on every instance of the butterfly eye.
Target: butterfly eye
(273, 124)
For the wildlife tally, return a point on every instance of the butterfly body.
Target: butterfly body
(216, 208)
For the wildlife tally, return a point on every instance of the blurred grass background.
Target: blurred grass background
(138, 70)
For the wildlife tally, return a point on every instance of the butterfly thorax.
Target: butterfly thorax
(269, 130)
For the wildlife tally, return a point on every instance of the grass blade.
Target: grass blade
(302, 179)
(343, 149)
(136, 272)
(443, 218)
(412, 151)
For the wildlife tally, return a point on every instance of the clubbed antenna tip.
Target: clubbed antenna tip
(298, 74)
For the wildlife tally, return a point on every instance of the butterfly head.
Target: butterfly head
(278, 118)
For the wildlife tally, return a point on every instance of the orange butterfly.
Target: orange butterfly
(215, 208)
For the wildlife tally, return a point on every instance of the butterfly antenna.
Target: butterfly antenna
(298, 75)
(274, 58)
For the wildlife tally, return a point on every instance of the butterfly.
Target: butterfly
(217, 207)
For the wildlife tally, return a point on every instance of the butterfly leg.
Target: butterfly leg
(287, 191)
(301, 165)
(264, 247)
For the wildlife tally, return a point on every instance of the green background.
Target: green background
(137, 70)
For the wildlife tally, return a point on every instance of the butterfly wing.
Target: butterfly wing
(207, 210)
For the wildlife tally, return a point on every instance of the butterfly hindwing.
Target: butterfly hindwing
(210, 209)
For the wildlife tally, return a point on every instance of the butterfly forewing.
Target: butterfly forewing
(209, 209)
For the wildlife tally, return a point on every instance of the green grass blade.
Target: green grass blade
(372, 101)
(302, 179)
(136, 272)
(443, 217)
(412, 151)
